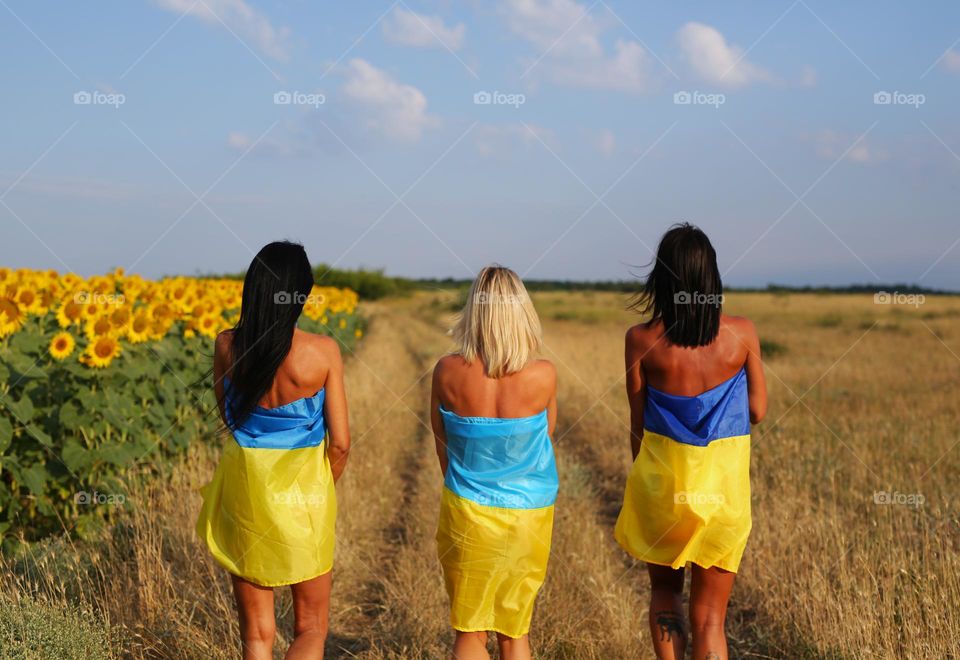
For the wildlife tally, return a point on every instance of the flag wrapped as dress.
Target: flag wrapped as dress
(687, 498)
(496, 519)
(268, 514)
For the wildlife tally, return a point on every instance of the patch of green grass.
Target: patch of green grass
(33, 629)
(829, 321)
(770, 349)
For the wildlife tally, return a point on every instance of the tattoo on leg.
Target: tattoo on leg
(712, 655)
(669, 623)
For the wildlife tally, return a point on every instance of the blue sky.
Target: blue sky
(176, 157)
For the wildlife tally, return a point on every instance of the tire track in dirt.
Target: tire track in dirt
(382, 388)
(392, 460)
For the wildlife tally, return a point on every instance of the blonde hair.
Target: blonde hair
(498, 324)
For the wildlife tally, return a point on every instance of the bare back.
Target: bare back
(302, 373)
(691, 371)
(466, 390)
(652, 360)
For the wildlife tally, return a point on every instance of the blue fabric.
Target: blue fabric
(292, 426)
(501, 462)
(720, 412)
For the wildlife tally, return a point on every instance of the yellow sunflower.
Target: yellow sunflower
(61, 346)
(11, 318)
(101, 353)
(99, 327)
(139, 329)
(69, 313)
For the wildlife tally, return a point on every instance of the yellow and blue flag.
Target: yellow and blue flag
(496, 519)
(268, 515)
(687, 498)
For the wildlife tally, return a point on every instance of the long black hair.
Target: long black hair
(275, 289)
(683, 289)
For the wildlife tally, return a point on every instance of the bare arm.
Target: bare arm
(221, 358)
(335, 413)
(636, 388)
(552, 403)
(436, 421)
(756, 382)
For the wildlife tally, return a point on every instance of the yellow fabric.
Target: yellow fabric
(494, 563)
(268, 514)
(686, 504)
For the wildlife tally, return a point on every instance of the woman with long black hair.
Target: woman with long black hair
(268, 514)
(695, 384)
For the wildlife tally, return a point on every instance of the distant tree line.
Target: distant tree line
(372, 284)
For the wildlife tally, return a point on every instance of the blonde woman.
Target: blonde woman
(494, 409)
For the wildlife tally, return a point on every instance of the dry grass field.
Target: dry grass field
(855, 550)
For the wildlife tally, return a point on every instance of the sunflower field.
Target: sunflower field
(103, 379)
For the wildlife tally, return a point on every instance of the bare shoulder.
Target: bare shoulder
(543, 369)
(740, 325)
(642, 335)
(448, 364)
(223, 343)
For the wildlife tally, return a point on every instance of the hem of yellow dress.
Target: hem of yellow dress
(674, 566)
(512, 635)
(285, 583)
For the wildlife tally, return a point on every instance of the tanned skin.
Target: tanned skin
(313, 363)
(652, 360)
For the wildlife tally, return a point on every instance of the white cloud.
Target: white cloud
(391, 108)
(568, 41)
(500, 140)
(714, 61)
(239, 17)
(831, 145)
(951, 61)
(408, 28)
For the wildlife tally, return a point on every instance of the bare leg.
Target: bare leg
(514, 648)
(311, 610)
(709, 593)
(666, 612)
(470, 646)
(258, 627)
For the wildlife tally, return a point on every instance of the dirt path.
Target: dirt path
(389, 599)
